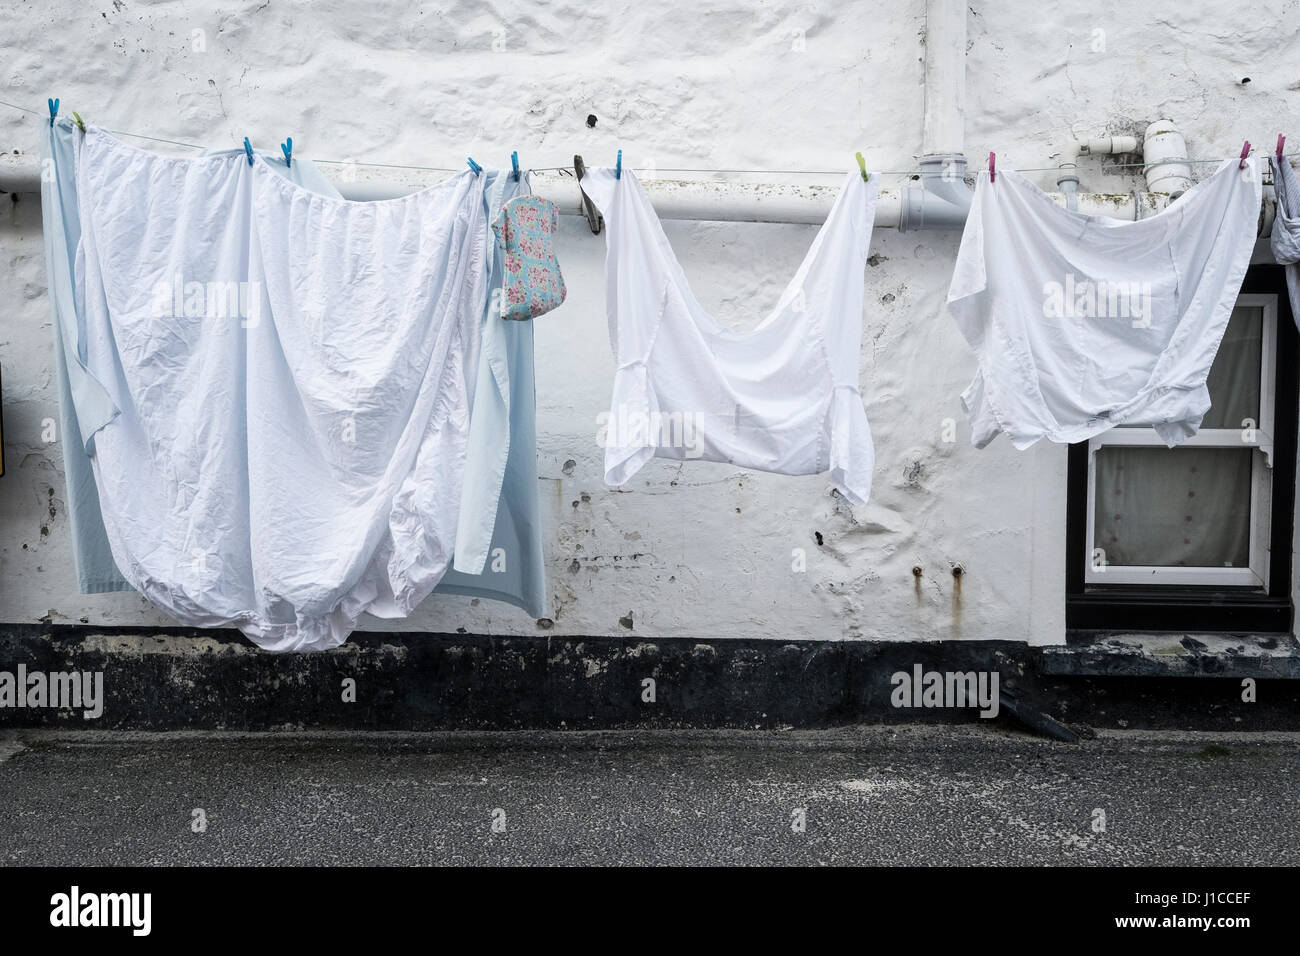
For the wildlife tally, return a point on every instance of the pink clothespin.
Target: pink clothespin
(1281, 141)
(1245, 151)
(993, 166)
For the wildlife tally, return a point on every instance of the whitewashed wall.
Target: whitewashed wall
(701, 549)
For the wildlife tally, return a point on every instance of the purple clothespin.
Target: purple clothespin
(1281, 141)
(993, 166)
(1245, 151)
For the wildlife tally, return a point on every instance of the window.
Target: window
(1182, 538)
(1198, 513)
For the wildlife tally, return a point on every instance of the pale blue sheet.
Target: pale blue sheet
(78, 390)
(502, 458)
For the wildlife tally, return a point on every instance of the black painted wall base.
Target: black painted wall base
(178, 679)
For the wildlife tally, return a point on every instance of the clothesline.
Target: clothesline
(668, 169)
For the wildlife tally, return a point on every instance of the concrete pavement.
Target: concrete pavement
(860, 795)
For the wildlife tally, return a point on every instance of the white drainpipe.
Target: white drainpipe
(695, 200)
(1163, 148)
(943, 129)
(1068, 182)
(1164, 153)
(943, 199)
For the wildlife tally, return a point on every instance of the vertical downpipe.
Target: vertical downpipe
(943, 199)
(943, 131)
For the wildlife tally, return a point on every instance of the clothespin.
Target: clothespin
(993, 166)
(54, 110)
(1281, 141)
(618, 166)
(594, 218)
(514, 161)
(473, 165)
(1245, 151)
(287, 148)
(248, 148)
(862, 165)
(76, 118)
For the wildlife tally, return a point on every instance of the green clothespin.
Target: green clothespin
(862, 164)
(76, 118)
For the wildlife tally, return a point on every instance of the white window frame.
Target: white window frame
(1096, 571)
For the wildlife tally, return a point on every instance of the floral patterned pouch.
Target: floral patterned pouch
(525, 231)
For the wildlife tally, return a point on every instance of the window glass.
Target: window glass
(1179, 507)
(1234, 377)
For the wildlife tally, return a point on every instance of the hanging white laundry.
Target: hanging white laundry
(782, 397)
(1285, 240)
(1081, 322)
(293, 375)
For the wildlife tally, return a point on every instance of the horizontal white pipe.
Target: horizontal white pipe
(672, 198)
(1104, 145)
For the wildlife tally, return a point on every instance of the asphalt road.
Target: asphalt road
(865, 795)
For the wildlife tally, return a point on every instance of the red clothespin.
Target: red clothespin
(1245, 151)
(1281, 141)
(993, 166)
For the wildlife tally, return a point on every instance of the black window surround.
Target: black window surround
(1119, 607)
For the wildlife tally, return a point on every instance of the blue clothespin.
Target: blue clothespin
(618, 166)
(248, 148)
(514, 161)
(473, 165)
(287, 148)
(54, 111)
